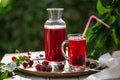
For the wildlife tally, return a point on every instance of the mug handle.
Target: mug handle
(62, 49)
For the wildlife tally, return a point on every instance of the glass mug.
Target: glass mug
(76, 52)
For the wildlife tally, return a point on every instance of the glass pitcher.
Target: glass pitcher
(54, 35)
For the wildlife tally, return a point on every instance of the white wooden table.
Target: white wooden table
(7, 58)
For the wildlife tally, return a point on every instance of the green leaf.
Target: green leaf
(110, 19)
(108, 3)
(116, 3)
(4, 75)
(4, 2)
(1, 64)
(114, 36)
(100, 8)
(89, 33)
(91, 43)
(96, 53)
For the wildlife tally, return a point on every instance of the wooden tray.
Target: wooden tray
(56, 74)
(65, 73)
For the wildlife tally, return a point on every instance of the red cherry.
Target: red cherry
(45, 63)
(29, 53)
(25, 64)
(61, 66)
(29, 56)
(87, 63)
(38, 67)
(79, 60)
(41, 55)
(49, 68)
(43, 68)
(92, 65)
(14, 58)
(31, 63)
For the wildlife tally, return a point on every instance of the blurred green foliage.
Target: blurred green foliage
(22, 21)
(102, 39)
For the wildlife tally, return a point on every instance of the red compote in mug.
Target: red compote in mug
(76, 51)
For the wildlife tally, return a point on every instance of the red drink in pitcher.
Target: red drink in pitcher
(54, 35)
(77, 51)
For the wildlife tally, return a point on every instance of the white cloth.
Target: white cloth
(113, 72)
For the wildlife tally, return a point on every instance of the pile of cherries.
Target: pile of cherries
(46, 67)
(25, 60)
(43, 66)
(29, 63)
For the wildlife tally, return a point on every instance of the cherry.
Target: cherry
(49, 68)
(29, 56)
(41, 55)
(45, 63)
(43, 68)
(25, 64)
(30, 62)
(38, 67)
(14, 58)
(79, 60)
(87, 63)
(60, 66)
(92, 65)
(29, 53)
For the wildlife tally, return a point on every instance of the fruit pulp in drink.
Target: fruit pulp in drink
(77, 52)
(53, 38)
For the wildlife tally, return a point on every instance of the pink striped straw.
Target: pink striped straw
(89, 21)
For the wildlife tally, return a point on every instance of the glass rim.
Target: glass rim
(55, 8)
(76, 35)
